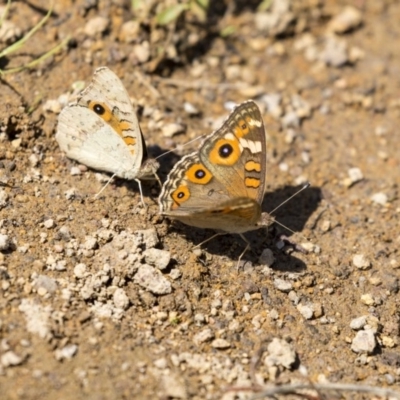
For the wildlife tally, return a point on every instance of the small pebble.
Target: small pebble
(387, 341)
(45, 282)
(120, 299)
(9, 359)
(361, 262)
(280, 353)
(158, 258)
(364, 342)
(175, 274)
(174, 387)
(148, 237)
(161, 363)
(95, 26)
(129, 31)
(203, 336)
(306, 311)
(9, 32)
(151, 279)
(367, 299)
(75, 171)
(70, 194)
(266, 258)
(5, 242)
(49, 223)
(190, 108)
(66, 353)
(172, 129)
(349, 19)
(358, 323)
(380, 198)
(52, 106)
(282, 285)
(80, 270)
(220, 344)
(355, 175)
(334, 52)
(90, 243)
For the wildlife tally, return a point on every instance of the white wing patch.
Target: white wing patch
(254, 147)
(254, 122)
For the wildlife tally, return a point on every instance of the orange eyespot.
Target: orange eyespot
(101, 110)
(225, 152)
(181, 194)
(198, 173)
(104, 112)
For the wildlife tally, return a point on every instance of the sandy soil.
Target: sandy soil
(75, 323)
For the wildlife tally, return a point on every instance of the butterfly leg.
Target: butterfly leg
(158, 179)
(207, 240)
(244, 251)
(141, 192)
(101, 190)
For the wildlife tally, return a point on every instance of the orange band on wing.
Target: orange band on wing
(252, 182)
(104, 112)
(253, 166)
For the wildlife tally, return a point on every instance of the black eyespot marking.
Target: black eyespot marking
(225, 150)
(244, 126)
(210, 192)
(99, 109)
(180, 195)
(200, 173)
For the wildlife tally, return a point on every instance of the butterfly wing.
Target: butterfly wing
(222, 185)
(235, 153)
(101, 129)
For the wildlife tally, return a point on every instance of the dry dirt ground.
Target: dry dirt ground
(76, 323)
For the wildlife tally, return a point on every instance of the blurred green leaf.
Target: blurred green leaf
(171, 13)
(4, 15)
(227, 31)
(265, 5)
(203, 3)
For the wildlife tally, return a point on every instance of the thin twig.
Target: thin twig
(340, 387)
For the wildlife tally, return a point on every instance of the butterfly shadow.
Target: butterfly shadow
(294, 215)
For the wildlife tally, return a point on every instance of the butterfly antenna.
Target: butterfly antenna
(307, 185)
(182, 145)
(101, 190)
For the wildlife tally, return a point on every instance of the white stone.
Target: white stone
(306, 311)
(220, 344)
(358, 323)
(49, 223)
(66, 353)
(282, 285)
(5, 242)
(96, 26)
(280, 353)
(9, 358)
(364, 342)
(158, 258)
(151, 279)
(120, 299)
(379, 198)
(350, 18)
(361, 262)
(203, 336)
